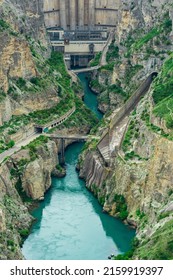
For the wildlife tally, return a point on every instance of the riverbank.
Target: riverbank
(68, 217)
(71, 224)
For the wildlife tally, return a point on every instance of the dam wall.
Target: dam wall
(81, 14)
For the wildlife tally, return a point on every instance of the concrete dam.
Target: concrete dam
(80, 28)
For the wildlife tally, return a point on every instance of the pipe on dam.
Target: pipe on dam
(73, 14)
(63, 14)
(92, 13)
(81, 13)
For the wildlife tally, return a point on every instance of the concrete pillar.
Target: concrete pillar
(86, 12)
(92, 13)
(73, 15)
(81, 13)
(63, 22)
(62, 152)
(67, 13)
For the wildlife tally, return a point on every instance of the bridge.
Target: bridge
(71, 137)
(76, 137)
(121, 118)
(87, 69)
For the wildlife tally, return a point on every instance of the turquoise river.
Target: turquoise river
(70, 222)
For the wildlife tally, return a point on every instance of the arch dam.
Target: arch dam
(80, 28)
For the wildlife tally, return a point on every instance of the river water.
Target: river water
(70, 222)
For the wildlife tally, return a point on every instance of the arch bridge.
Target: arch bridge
(63, 138)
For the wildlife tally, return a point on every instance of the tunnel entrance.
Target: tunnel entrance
(154, 75)
(38, 129)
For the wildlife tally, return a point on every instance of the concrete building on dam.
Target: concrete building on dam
(80, 28)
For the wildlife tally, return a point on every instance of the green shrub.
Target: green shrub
(117, 89)
(140, 214)
(10, 144)
(112, 53)
(159, 246)
(163, 215)
(102, 200)
(21, 83)
(108, 67)
(131, 71)
(96, 60)
(2, 95)
(3, 24)
(59, 168)
(24, 233)
(121, 206)
(129, 254)
(10, 243)
(123, 214)
(170, 192)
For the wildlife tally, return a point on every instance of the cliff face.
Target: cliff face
(137, 185)
(14, 217)
(24, 50)
(20, 22)
(142, 42)
(23, 178)
(36, 179)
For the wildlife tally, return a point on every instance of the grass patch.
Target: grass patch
(163, 84)
(159, 246)
(2, 95)
(112, 53)
(128, 136)
(165, 27)
(3, 25)
(96, 60)
(107, 67)
(117, 89)
(33, 146)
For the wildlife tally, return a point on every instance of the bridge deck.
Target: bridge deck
(88, 69)
(70, 137)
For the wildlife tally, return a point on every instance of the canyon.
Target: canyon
(134, 183)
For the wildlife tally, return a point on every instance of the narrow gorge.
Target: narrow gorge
(82, 230)
(57, 60)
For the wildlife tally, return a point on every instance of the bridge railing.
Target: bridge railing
(87, 69)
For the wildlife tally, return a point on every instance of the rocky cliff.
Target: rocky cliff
(24, 82)
(25, 177)
(26, 86)
(14, 217)
(142, 41)
(137, 184)
(33, 167)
